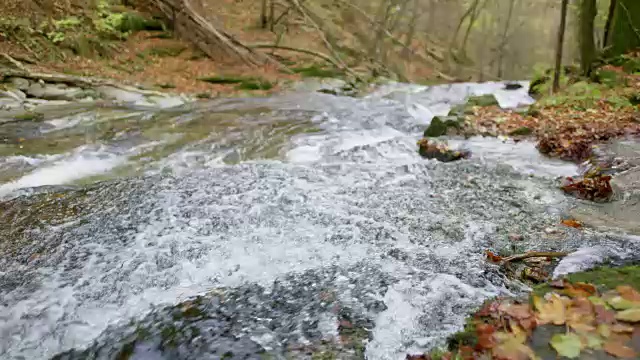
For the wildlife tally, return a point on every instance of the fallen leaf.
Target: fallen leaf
(513, 349)
(518, 311)
(552, 311)
(567, 345)
(485, 336)
(493, 257)
(591, 341)
(590, 288)
(604, 330)
(604, 315)
(620, 303)
(628, 293)
(629, 315)
(621, 328)
(571, 223)
(618, 349)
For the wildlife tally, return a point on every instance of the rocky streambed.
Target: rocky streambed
(303, 225)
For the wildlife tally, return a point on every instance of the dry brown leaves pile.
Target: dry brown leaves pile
(594, 188)
(567, 131)
(589, 322)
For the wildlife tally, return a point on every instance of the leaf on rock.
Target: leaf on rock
(620, 303)
(628, 293)
(485, 336)
(621, 328)
(493, 257)
(513, 349)
(619, 350)
(592, 341)
(604, 330)
(629, 315)
(552, 311)
(567, 345)
(518, 311)
(604, 315)
(571, 223)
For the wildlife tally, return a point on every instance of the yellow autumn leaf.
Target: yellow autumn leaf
(629, 315)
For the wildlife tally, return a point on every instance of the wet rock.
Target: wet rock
(431, 149)
(54, 92)
(443, 125)
(119, 95)
(16, 95)
(20, 83)
(512, 86)
(482, 100)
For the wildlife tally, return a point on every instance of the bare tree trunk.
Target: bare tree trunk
(504, 37)
(607, 27)
(272, 14)
(263, 14)
(560, 45)
(412, 30)
(588, 12)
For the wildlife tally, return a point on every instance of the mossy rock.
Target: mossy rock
(441, 125)
(482, 100)
(521, 131)
(461, 110)
(603, 277)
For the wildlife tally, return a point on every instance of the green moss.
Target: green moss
(318, 72)
(604, 277)
(222, 79)
(29, 116)
(440, 125)
(482, 100)
(466, 337)
(522, 131)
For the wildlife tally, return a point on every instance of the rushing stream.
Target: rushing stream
(299, 216)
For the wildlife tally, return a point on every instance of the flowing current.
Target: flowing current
(313, 212)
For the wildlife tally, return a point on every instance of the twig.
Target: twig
(532, 254)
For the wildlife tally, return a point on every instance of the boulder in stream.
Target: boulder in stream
(431, 149)
(444, 125)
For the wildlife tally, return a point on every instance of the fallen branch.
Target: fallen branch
(532, 254)
(322, 56)
(14, 62)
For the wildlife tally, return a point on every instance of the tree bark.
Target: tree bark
(503, 42)
(607, 26)
(263, 14)
(588, 12)
(624, 34)
(560, 45)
